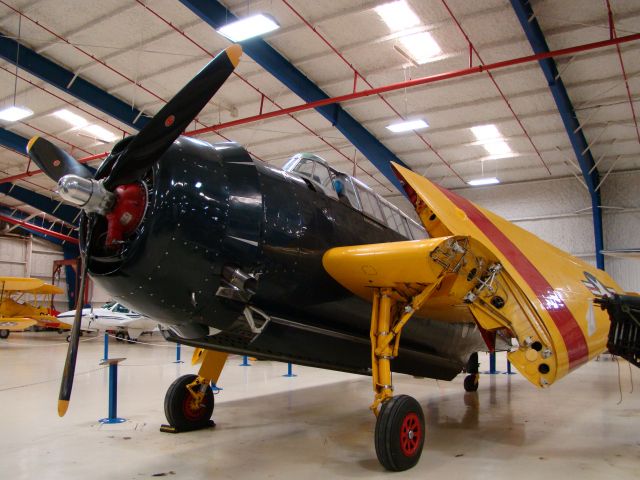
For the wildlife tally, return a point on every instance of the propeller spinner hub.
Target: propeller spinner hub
(87, 193)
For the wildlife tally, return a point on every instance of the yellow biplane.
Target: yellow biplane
(27, 302)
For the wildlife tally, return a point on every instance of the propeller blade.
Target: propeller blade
(167, 125)
(54, 161)
(72, 350)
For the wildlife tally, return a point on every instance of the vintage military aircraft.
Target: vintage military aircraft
(26, 303)
(308, 265)
(114, 317)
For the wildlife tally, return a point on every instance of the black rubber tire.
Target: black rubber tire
(399, 448)
(471, 383)
(129, 339)
(120, 337)
(176, 405)
(4, 333)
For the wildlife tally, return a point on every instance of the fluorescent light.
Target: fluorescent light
(397, 15)
(13, 114)
(483, 181)
(70, 117)
(421, 47)
(248, 27)
(486, 132)
(100, 133)
(408, 125)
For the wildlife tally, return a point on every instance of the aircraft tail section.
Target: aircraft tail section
(540, 294)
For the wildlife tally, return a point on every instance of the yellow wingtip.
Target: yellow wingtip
(234, 52)
(63, 405)
(31, 142)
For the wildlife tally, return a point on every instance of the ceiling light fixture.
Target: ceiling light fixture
(408, 125)
(70, 117)
(483, 181)
(492, 140)
(13, 114)
(100, 133)
(248, 27)
(397, 15)
(421, 47)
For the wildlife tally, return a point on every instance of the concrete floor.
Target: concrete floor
(315, 425)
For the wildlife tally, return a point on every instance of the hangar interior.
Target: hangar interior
(554, 137)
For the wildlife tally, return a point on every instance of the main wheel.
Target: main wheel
(120, 336)
(400, 432)
(181, 409)
(471, 383)
(4, 333)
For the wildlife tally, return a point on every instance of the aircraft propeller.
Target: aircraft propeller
(115, 191)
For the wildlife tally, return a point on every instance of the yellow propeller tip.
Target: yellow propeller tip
(234, 52)
(63, 405)
(31, 142)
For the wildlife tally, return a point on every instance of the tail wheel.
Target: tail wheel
(4, 333)
(182, 410)
(471, 383)
(400, 433)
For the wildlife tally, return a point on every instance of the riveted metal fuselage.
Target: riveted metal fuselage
(211, 208)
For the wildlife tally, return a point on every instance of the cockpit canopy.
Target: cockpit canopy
(352, 192)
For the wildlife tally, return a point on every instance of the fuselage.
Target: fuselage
(216, 218)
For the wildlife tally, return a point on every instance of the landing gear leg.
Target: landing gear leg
(188, 404)
(400, 429)
(472, 379)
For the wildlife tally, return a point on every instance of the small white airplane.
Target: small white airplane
(127, 324)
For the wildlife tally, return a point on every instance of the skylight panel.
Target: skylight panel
(486, 132)
(421, 47)
(398, 15)
(101, 133)
(70, 117)
(13, 114)
(408, 125)
(248, 27)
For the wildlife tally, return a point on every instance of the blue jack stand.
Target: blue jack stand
(492, 364)
(509, 372)
(106, 347)
(113, 391)
(289, 371)
(215, 388)
(178, 354)
(245, 361)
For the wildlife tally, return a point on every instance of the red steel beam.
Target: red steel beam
(36, 228)
(263, 96)
(472, 48)
(355, 79)
(422, 81)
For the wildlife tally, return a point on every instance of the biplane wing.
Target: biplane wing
(13, 284)
(479, 267)
(16, 324)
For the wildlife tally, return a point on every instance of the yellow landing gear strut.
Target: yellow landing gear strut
(400, 428)
(188, 404)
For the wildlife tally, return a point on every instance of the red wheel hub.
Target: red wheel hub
(410, 434)
(191, 409)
